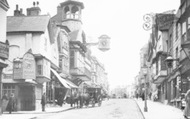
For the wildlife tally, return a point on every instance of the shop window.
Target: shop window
(8, 89)
(49, 92)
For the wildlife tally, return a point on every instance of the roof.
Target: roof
(27, 23)
(4, 4)
(75, 2)
(73, 35)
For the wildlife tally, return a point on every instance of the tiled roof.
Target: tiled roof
(27, 23)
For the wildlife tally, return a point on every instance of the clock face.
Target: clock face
(104, 43)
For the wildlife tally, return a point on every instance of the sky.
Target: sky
(122, 21)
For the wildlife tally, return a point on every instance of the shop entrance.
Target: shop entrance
(27, 98)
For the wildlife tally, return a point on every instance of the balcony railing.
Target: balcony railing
(80, 71)
(160, 76)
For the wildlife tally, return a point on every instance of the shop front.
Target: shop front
(23, 81)
(4, 49)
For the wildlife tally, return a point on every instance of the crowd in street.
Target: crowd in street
(9, 103)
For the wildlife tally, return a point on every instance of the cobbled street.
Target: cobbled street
(110, 109)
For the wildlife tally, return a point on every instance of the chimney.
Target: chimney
(16, 12)
(21, 12)
(34, 11)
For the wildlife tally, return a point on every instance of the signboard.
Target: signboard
(29, 66)
(17, 69)
(164, 21)
(4, 50)
(24, 68)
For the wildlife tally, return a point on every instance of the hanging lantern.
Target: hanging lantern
(169, 62)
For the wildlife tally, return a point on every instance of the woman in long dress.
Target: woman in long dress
(187, 108)
(4, 102)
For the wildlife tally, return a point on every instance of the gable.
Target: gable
(4, 4)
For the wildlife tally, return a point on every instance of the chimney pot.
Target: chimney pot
(16, 7)
(34, 4)
(37, 3)
(21, 11)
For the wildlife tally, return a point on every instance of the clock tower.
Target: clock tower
(69, 13)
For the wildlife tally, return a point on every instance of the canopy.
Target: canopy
(72, 85)
(63, 81)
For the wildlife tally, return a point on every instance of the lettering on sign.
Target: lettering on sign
(25, 68)
(164, 21)
(29, 66)
(4, 50)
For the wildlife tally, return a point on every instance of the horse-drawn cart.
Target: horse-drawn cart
(95, 96)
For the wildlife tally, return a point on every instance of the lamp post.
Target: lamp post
(145, 71)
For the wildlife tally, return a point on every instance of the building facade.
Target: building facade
(4, 44)
(170, 37)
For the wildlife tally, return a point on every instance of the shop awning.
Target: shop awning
(72, 85)
(159, 80)
(63, 81)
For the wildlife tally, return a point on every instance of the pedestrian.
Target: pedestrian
(142, 95)
(11, 102)
(43, 101)
(187, 107)
(5, 101)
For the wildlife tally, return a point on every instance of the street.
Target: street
(110, 109)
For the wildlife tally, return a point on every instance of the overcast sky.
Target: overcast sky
(122, 20)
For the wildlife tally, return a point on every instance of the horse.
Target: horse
(85, 99)
(74, 99)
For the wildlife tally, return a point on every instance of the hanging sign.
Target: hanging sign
(4, 50)
(24, 68)
(29, 66)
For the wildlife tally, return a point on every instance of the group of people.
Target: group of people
(187, 107)
(8, 103)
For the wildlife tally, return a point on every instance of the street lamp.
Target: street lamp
(145, 71)
(169, 61)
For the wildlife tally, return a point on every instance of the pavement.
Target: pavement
(157, 110)
(33, 114)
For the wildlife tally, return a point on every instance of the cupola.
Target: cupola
(71, 9)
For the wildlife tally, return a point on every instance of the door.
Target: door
(27, 98)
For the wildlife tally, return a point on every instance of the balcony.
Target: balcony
(185, 39)
(81, 72)
(185, 43)
(160, 77)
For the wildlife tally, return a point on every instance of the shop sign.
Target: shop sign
(164, 21)
(4, 50)
(17, 69)
(7, 76)
(29, 66)
(25, 68)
